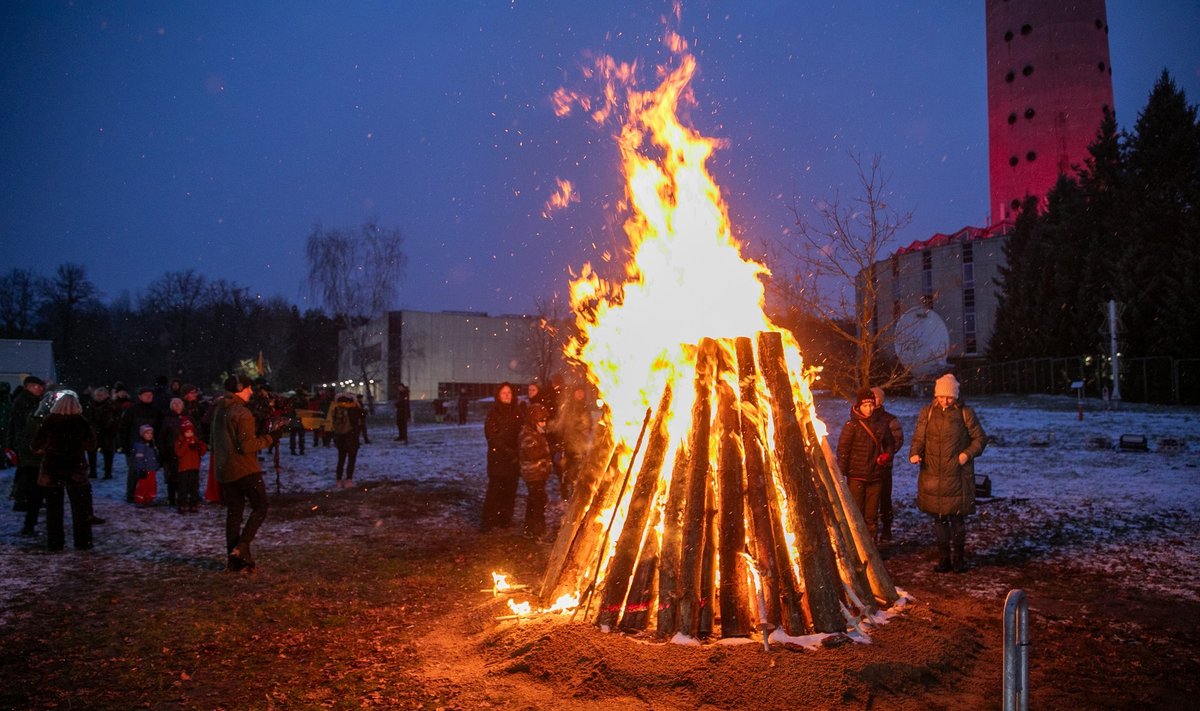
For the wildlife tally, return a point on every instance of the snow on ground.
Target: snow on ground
(1061, 503)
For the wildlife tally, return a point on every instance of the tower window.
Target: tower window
(1012, 118)
(1009, 77)
(1101, 66)
(1027, 70)
(1099, 24)
(1009, 35)
(1026, 29)
(1013, 162)
(1031, 156)
(1030, 113)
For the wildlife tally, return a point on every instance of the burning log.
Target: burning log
(672, 544)
(708, 567)
(817, 565)
(629, 543)
(734, 596)
(691, 563)
(592, 484)
(641, 590)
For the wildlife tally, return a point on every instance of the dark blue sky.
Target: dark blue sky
(146, 137)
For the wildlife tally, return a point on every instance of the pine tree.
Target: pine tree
(1102, 181)
(1160, 275)
(1016, 334)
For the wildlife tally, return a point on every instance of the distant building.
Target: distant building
(20, 357)
(438, 354)
(1049, 81)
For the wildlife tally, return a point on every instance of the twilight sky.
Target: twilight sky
(145, 137)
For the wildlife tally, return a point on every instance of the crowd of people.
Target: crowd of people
(59, 440)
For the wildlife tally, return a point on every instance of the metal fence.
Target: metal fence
(1159, 379)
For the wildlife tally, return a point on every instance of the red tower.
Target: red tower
(1049, 81)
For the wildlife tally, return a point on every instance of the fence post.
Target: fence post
(1016, 651)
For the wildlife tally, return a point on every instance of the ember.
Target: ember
(710, 499)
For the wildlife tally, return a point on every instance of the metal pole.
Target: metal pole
(1016, 651)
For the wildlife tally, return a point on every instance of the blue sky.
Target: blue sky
(146, 137)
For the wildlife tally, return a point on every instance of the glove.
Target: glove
(884, 459)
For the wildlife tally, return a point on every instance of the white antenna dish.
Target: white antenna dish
(922, 341)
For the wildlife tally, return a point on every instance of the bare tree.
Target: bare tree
(175, 300)
(356, 276)
(66, 298)
(20, 297)
(545, 344)
(825, 270)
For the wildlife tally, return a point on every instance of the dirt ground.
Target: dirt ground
(381, 604)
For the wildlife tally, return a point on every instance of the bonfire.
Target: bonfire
(710, 503)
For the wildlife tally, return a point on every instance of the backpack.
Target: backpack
(341, 420)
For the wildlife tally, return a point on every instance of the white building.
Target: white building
(438, 354)
(22, 356)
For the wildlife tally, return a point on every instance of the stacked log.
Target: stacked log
(743, 536)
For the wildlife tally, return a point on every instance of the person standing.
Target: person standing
(63, 439)
(5, 418)
(167, 436)
(502, 429)
(888, 463)
(574, 428)
(102, 415)
(463, 405)
(188, 452)
(946, 441)
(534, 457)
(346, 418)
(863, 447)
(403, 413)
(142, 412)
(235, 447)
(22, 426)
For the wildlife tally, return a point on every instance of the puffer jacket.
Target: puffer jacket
(945, 487)
(502, 428)
(63, 441)
(862, 440)
(233, 441)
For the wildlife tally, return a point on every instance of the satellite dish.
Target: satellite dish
(922, 341)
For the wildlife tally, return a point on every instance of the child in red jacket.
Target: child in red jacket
(189, 449)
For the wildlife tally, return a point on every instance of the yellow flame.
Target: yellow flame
(500, 582)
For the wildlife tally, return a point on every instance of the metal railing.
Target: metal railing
(1016, 651)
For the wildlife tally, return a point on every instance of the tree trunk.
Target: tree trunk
(641, 590)
(694, 521)
(736, 615)
(669, 559)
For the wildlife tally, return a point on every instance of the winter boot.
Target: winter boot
(960, 557)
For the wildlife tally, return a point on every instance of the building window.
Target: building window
(1010, 76)
(1008, 36)
(1030, 113)
(1012, 118)
(1027, 70)
(1013, 160)
(968, 266)
(1031, 156)
(1026, 29)
(970, 341)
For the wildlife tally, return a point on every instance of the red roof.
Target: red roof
(966, 234)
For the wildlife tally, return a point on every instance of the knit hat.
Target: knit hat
(864, 395)
(142, 430)
(946, 386)
(878, 396)
(33, 380)
(186, 427)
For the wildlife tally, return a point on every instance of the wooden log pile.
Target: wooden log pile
(753, 529)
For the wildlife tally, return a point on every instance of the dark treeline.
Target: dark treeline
(181, 325)
(1126, 228)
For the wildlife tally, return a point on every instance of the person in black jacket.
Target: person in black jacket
(103, 416)
(403, 413)
(885, 490)
(22, 425)
(142, 412)
(864, 448)
(502, 428)
(63, 439)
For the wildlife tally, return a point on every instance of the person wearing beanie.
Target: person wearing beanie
(235, 447)
(147, 460)
(947, 439)
(864, 444)
(141, 412)
(188, 450)
(886, 462)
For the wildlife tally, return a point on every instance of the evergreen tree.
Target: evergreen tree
(1160, 266)
(1102, 181)
(1016, 333)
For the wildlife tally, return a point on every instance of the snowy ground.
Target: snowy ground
(1057, 499)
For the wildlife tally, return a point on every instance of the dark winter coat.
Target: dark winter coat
(944, 486)
(862, 440)
(534, 453)
(893, 426)
(166, 436)
(63, 441)
(105, 420)
(502, 428)
(346, 420)
(22, 426)
(138, 414)
(233, 441)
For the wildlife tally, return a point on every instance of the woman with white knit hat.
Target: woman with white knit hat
(945, 444)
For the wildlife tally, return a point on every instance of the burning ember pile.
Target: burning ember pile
(710, 500)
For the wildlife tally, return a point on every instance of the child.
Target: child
(189, 449)
(145, 464)
(535, 469)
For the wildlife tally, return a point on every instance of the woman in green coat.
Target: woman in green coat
(945, 444)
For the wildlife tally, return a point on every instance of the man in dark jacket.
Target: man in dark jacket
(885, 471)
(403, 413)
(863, 449)
(22, 426)
(946, 442)
(235, 461)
